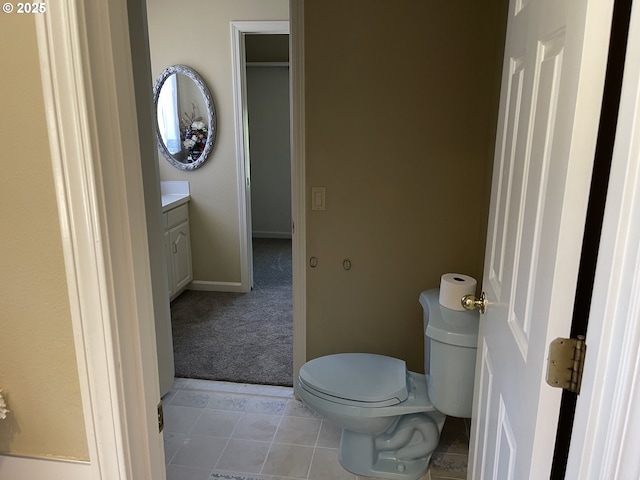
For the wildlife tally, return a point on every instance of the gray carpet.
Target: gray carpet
(240, 337)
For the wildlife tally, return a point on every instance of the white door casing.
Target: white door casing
(552, 84)
(298, 182)
(606, 429)
(87, 77)
(239, 61)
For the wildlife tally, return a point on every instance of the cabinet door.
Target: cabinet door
(181, 256)
(168, 256)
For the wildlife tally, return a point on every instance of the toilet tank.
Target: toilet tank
(451, 339)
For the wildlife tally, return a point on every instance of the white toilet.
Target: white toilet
(391, 418)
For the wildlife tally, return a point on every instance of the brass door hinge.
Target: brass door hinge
(160, 418)
(566, 363)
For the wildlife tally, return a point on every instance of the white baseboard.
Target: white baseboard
(205, 286)
(12, 468)
(257, 234)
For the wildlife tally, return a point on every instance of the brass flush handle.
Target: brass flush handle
(470, 302)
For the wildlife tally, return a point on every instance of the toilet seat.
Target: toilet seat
(356, 379)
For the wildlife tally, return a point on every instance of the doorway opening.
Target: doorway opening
(267, 58)
(269, 151)
(250, 333)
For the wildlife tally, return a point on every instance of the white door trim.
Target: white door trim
(238, 65)
(85, 58)
(298, 185)
(606, 430)
(295, 26)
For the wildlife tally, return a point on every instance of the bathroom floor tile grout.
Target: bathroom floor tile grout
(315, 446)
(289, 410)
(271, 444)
(228, 439)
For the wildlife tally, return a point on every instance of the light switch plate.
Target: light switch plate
(318, 198)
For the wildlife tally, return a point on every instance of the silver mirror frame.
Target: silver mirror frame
(211, 114)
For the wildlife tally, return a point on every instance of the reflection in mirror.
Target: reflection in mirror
(186, 119)
(168, 115)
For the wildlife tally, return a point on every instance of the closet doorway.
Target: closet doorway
(262, 115)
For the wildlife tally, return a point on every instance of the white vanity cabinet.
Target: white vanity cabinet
(177, 245)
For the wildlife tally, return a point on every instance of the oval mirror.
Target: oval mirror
(186, 117)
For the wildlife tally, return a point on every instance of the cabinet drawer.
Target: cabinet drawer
(177, 215)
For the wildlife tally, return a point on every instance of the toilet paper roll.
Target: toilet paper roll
(454, 286)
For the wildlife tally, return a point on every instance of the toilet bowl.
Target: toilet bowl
(391, 418)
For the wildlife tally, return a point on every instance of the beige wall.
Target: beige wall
(38, 370)
(178, 35)
(401, 105)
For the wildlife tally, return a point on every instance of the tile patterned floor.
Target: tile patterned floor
(264, 433)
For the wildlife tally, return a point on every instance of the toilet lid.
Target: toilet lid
(376, 380)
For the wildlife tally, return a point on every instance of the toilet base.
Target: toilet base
(403, 452)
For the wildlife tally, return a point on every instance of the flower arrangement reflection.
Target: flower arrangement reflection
(3, 408)
(195, 134)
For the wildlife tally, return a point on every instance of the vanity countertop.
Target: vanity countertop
(174, 194)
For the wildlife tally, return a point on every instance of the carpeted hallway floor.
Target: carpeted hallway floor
(240, 337)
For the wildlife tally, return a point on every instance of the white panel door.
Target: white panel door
(552, 83)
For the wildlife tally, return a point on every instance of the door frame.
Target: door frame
(243, 161)
(103, 266)
(89, 97)
(295, 29)
(606, 427)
